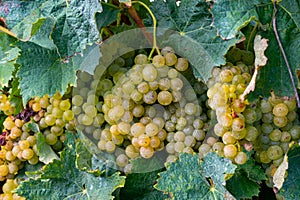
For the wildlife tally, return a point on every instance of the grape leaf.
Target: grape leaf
(107, 16)
(142, 165)
(15, 95)
(46, 153)
(139, 186)
(20, 14)
(291, 186)
(8, 55)
(231, 16)
(248, 178)
(42, 72)
(188, 178)
(194, 38)
(72, 182)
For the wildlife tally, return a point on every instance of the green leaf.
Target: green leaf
(89, 60)
(20, 12)
(42, 72)
(231, 16)
(62, 180)
(75, 26)
(139, 186)
(15, 95)
(188, 178)
(8, 55)
(288, 30)
(45, 152)
(291, 185)
(196, 39)
(248, 178)
(107, 16)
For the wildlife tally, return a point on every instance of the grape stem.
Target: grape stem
(283, 53)
(155, 47)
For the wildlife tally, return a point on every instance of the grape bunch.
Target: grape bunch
(19, 142)
(8, 192)
(143, 107)
(235, 117)
(279, 126)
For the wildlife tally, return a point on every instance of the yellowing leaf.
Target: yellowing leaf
(278, 177)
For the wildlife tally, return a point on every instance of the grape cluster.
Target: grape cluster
(142, 107)
(279, 126)
(19, 142)
(5, 105)
(235, 117)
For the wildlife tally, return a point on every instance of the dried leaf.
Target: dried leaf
(278, 177)
(260, 45)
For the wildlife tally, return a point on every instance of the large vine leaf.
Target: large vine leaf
(8, 55)
(188, 178)
(291, 186)
(196, 39)
(231, 16)
(43, 72)
(72, 182)
(248, 178)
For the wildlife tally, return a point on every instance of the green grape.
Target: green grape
(128, 87)
(176, 84)
(292, 116)
(141, 59)
(101, 145)
(116, 112)
(170, 147)
(143, 87)
(226, 76)
(199, 135)
(136, 96)
(154, 142)
(124, 128)
(179, 146)
(170, 58)
(144, 140)
(138, 111)
(267, 118)
(265, 106)
(51, 139)
(57, 113)
(27, 154)
(280, 110)
(179, 136)
(23, 144)
(226, 120)
(172, 73)
(86, 120)
(162, 134)
(110, 146)
(149, 73)
(267, 128)
(10, 156)
(4, 170)
(122, 160)
(295, 132)
(164, 98)
(131, 152)
(218, 147)
(285, 136)
(190, 109)
(171, 158)
(50, 120)
(36, 107)
(13, 168)
(219, 129)
(252, 133)
(151, 129)
(189, 141)
(291, 104)
(164, 84)
(198, 123)
(238, 124)
(280, 121)
(227, 138)
(150, 97)
(230, 151)
(275, 135)
(158, 61)
(274, 152)
(238, 106)
(146, 152)
(211, 141)
(166, 50)
(65, 105)
(241, 158)
(177, 96)
(182, 64)
(203, 150)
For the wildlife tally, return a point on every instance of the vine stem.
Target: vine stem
(155, 47)
(283, 53)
